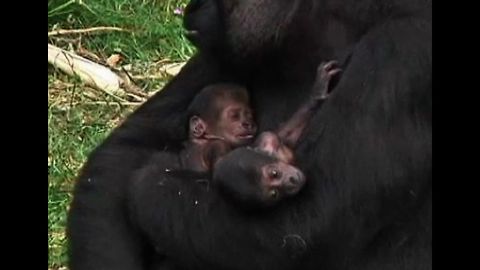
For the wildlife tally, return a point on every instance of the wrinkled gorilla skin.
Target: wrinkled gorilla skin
(366, 154)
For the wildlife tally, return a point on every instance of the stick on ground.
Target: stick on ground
(91, 73)
(85, 31)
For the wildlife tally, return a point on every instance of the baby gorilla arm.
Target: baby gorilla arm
(290, 131)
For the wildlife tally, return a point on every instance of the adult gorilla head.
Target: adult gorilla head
(245, 28)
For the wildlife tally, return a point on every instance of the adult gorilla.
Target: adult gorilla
(367, 153)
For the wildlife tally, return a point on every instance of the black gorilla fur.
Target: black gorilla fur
(366, 154)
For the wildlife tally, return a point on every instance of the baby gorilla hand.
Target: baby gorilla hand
(325, 72)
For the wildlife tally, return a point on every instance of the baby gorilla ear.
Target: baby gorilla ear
(197, 127)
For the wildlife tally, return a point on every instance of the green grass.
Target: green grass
(76, 124)
(156, 31)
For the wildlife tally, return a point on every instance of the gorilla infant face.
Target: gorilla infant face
(255, 179)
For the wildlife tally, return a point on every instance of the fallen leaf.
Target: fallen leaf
(173, 69)
(114, 60)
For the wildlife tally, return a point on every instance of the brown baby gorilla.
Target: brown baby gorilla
(221, 120)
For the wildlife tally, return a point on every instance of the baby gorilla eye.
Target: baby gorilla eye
(274, 173)
(234, 116)
(273, 193)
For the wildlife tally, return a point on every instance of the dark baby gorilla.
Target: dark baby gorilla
(366, 154)
(261, 175)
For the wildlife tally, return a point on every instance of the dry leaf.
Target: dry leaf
(127, 67)
(114, 60)
(173, 69)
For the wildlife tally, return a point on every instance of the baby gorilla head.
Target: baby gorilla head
(222, 111)
(256, 179)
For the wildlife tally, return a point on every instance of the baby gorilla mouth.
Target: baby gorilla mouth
(294, 183)
(243, 139)
(246, 136)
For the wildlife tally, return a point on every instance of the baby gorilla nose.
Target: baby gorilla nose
(247, 125)
(294, 182)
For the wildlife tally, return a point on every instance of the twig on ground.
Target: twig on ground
(111, 103)
(85, 31)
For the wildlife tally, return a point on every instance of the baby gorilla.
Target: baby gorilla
(221, 126)
(220, 119)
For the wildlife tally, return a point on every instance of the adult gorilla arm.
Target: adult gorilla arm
(98, 230)
(372, 144)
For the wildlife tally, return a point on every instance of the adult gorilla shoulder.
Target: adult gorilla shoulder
(366, 154)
